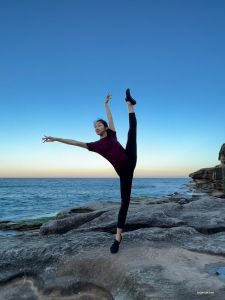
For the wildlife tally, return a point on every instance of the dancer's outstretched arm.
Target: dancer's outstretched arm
(65, 141)
(109, 115)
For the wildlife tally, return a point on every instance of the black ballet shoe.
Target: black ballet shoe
(115, 246)
(129, 98)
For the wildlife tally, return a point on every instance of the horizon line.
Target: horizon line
(89, 177)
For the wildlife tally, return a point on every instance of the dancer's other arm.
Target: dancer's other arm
(109, 115)
(65, 141)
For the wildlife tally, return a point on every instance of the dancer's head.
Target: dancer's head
(101, 126)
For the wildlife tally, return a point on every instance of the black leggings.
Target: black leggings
(126, 171)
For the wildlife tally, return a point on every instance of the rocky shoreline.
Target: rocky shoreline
(173, 248)
(211, 180)
(18, 227)
(25, 226)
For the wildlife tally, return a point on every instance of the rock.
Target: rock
(151, 263)
(182, 201)
(221, 155)
(138, 217)
(218, 194)
(4, 222)
(87, 208)
(68, 223)
(166, 252)
(210, 180)
(216, 273)
(205, 173)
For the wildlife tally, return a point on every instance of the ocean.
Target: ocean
(25, 198)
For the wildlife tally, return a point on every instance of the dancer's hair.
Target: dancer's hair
(105, 125)
(102, 121)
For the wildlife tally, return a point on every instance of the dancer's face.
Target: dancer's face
(99, 128)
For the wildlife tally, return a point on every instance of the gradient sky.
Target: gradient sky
(58, 60)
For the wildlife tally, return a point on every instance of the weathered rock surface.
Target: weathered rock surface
(204, 173)
(169, 247)
(67, 223)
(211, 180)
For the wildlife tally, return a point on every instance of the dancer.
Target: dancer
(123, 160)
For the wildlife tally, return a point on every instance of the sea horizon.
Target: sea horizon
(81, 177)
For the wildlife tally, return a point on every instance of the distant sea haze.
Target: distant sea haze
(22, 198)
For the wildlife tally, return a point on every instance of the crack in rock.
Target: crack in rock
(212, 230)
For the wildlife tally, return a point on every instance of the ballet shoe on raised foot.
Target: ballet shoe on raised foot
(115, 246)
(129, 98)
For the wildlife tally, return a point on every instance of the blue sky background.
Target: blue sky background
(58, 60)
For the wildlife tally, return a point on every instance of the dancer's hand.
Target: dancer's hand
(48, 139)
(108, 97)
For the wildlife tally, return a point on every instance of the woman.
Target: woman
(123, 160)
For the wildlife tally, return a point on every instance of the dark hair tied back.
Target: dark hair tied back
(104, 123)
(101, 121)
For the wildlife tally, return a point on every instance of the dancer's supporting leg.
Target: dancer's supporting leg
(126, 177)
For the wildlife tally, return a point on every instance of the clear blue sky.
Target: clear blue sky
(58, 60)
